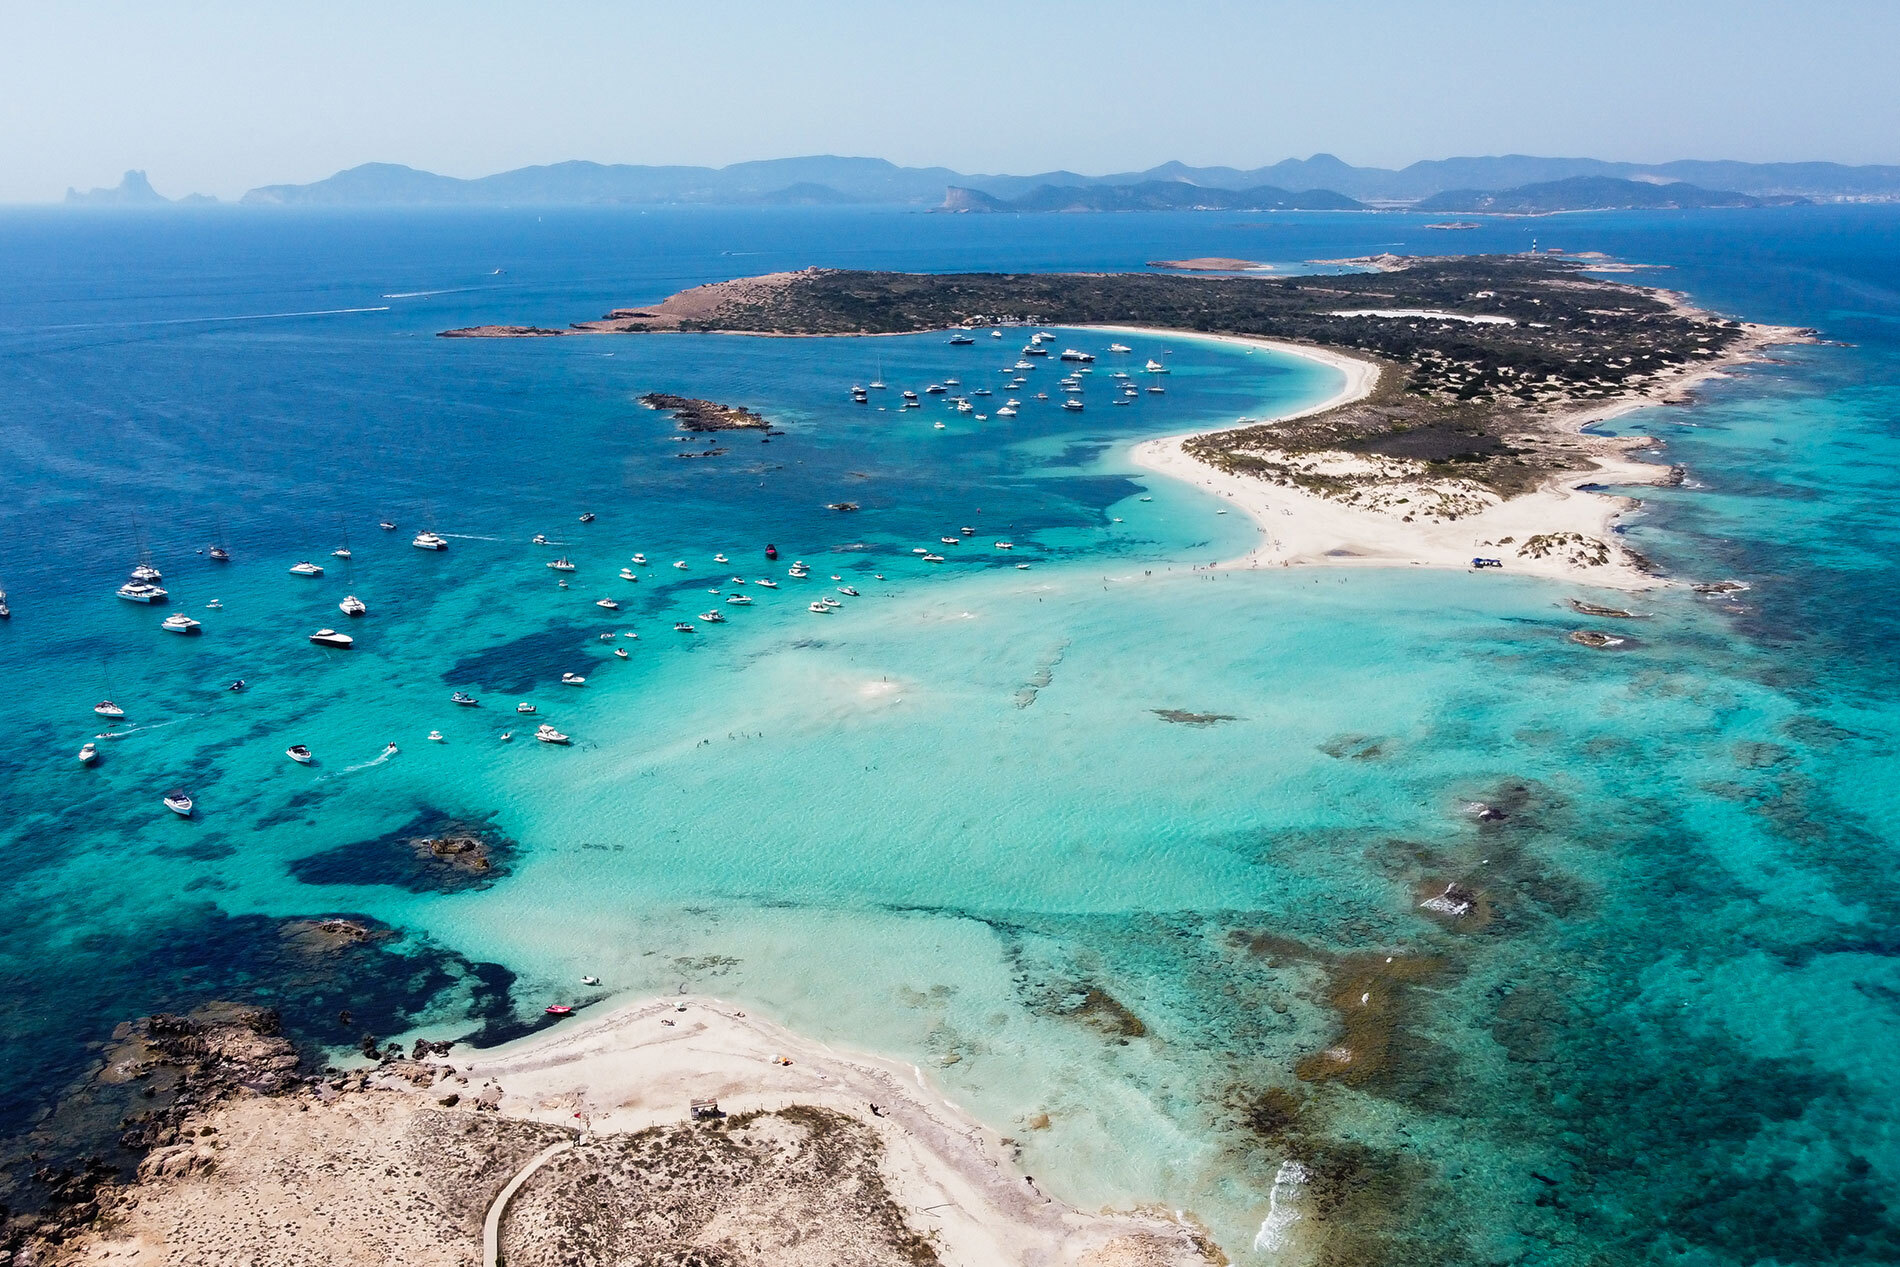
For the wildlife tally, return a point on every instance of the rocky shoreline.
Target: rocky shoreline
(694, 414)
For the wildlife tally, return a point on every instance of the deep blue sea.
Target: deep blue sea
(948, 822)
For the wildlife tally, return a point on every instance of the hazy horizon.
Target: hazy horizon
(222, 99)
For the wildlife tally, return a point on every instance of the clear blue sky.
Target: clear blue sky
(218, 97)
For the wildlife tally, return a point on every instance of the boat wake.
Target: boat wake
(187, 321)
(351, 769)
(466, 536)
(423, 294)
(133, 730)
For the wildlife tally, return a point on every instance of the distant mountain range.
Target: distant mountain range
(133, 190)
(1326, 182)
(1597, 193)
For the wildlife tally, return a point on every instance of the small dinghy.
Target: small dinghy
(559, 1009)
(464, 699)
(298, 753)
(524, 707)
(178, 801)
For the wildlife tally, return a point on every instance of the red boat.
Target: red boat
(771, 552)
(560, 1009)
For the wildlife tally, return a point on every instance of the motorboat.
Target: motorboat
(1024, 365)
(606, 637)
(562, 564)
(1005, 545)
(587, 516)
(435, 736)
(1156, 390)
(909, 394)
(608, 603)
(426, 540)
(913, 403)
(106, 708)
(935, 389)
(939, 426)
(390, 750)
(628, 574)
(720, 558)
(147, 573)
(331, 638)
(352, 605)
(680, 564)
(1072, 404)
(950, 541)
(831, 602)
(820, 609)
(298, 753)
(387, 526)
(507, 736)
(5, 611)
(739, 600)
(967, 531)
(960, 340)
(1119, 347)
(141, 592)
(540, 539)
(981, 391)
(1007, 411)
(218, 554)
(933, 558)
(464, 699)
(1042, 395)
(640, 560)
(996, 334)
(859, 395)
(620, 653)
(341, 552)
(305, 569)
(852, 590)
(713, 617)
(766, 583)
(237, 686)
(179, 623)
(1154, 367)
(89, 753)
(562, 584)
(1080, 358)
(965, 407)
(1035, 349)
(178, 801)
(573, 679)
(953, 382)
(216, 605)
(680, 626)
(524, 707)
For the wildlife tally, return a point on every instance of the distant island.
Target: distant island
(1470, 379)
(1598, 193)
(1211, 264)
(1150, 195)
(134, 190)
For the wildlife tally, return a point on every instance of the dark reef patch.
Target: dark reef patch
(1181, 717)
(434, 852)
(519, 665)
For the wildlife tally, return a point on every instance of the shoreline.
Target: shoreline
(251, 1165)
(1302, 529)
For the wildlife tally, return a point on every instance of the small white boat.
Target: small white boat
(587, 516)
(608, 603)
(573, 679)
(996, 334)
(764, 583)
(628, 574)
(215, 605)
(720, 558)
(147, 573)
(680, 626)
(390, 750)
(1119, 347)
(298, 753)
(562, 564)
(548, 734)
(640, 559)
(713, 617)
(428, 541)
(933, 558)
(524, 707)
(935, 389)
(89, 754)
(620, 653)
(106, 708)
(352, 605)
(305, 569)
(435, 736)
(464, 699)
(680, 564)
(331, 638)
(141, 592)
(939, 426)
(909, 395)
(848, 589)
(1071, 354)
(818, 608)
(179, 623)
(387, 526)
(1005, 545)
(950, 541)
(341, 552)
(1007, 411)
(1156, 390)
(739, 600)
(507, 736)
(178, 801)
(540, 539)
(1072, 404)
(1154, 367)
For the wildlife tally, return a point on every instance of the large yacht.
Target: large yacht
(1119, 347)
(1072, 404)
(1070, 354)
(426, 540)
(179, 623)
(958, 340)
(352, 605)
(305, 569)
(147, 573)
(331, 638)
(140, 592)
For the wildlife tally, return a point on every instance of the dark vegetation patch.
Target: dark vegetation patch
(434, 852)
(1181, 717)
(518, 666)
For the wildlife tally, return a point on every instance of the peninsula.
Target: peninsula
(1460, 432)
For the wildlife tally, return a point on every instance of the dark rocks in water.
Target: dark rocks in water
(1455, 904)
(1181, 717)
(327, 935)
(432, 853)
(1487, 813)
(1595, 638)
(1354, 747)
(1719, 587)
(1614, 613)
(693, 414)
(841, 506)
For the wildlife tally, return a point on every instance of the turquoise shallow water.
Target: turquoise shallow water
(948, 823)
